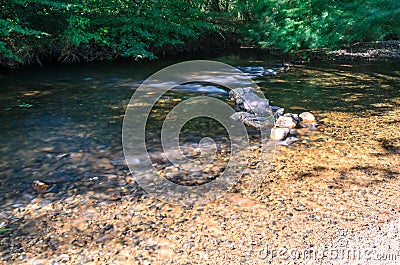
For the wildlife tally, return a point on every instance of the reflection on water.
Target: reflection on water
(64, 124)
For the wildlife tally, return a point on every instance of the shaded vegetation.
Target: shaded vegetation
(294, 24)
(74, 30)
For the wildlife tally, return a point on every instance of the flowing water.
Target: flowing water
(63, 124)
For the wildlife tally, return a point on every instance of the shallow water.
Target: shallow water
(64, 124)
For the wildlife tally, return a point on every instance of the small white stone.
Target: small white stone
(307, 117)
(278, 134)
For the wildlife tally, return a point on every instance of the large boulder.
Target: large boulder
(249, 101)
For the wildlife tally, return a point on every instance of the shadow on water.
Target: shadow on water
(63, 125)
(358, 88)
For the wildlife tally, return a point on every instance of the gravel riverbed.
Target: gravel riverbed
(335, 190)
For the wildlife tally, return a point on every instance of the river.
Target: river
(63, 124)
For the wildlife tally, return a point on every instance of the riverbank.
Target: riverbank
(213, 45)
(377, 50)
(205, 46)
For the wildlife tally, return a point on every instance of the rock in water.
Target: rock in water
(42, 187)
(252, 70)
(289, 141)
(286, 122)
(269, 72)
(255, 111)
(249, 101)
(276, 108)
(308, 117)
(295, 117)
(279, 112)
(278, 134)
(253, 121)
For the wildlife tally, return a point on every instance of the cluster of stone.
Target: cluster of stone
(255, 111)
(287, 124)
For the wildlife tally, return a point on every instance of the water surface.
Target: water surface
(64, 123)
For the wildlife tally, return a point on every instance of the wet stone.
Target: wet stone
(278, 134)
(286, 122)
(307, 117)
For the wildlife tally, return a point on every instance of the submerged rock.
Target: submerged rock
(252, 70)
(269, 72)
(275, 108)
(42, 187)
(253, 121)
(259, 71)
(289, 140)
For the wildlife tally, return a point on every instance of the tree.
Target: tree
(72, 30)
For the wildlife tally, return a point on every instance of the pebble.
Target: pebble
(41, 187)
(106, 237)
(80, 224)
(166, 252)
(64, 257)
(17, 205)
(240, 200)
(105, 163)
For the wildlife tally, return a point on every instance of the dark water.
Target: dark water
(57, 124)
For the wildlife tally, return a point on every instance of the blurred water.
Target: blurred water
(56, 123)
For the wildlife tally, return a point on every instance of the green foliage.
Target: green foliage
(78, 29)
(294, 24)
(100, 29)
(23, 28)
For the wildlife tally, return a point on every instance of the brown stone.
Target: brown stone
(307, 117)
(285, 122)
